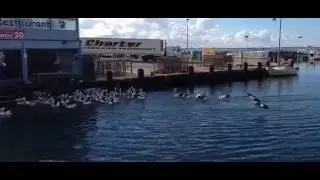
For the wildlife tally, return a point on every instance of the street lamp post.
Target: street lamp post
(188, 35)
(246, 37)
(299, 37)
(246, 50)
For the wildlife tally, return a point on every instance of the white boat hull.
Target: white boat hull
(282, 72)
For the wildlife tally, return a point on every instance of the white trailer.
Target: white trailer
(147, 49)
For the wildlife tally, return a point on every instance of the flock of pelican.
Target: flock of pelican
(79, 97)
(204, 97)
(257, 101)
(104, 96)
(200, 96)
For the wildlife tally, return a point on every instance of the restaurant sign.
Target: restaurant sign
(43, 23)
(38, 23)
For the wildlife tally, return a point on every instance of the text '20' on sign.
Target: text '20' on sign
(11, 34)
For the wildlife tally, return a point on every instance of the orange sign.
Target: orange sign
(208, 51)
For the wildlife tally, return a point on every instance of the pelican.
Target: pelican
(70, 106)
(252, 97)
(177, 93)
(20, 99)
(87, 102)
(223, 96)
(202, 96)
(264, 106)
(31, 103)
(55, 104)
(5, 112)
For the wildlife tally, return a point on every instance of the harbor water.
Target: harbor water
(165, 128)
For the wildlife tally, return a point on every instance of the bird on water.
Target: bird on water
(224, 96)
(257, 101)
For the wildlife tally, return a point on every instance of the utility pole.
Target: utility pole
(246, 51)
(298, 57)
(279, 45)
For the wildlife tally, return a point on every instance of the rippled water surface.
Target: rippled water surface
(163, 128)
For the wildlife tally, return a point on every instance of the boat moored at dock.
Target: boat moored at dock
(282, 71)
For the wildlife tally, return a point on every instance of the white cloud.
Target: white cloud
(203, 32)
(255, 38)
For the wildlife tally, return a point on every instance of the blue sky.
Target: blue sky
(212, 32)
(291, 27)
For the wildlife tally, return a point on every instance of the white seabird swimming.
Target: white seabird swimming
(223, 96)
(202, 96)
(177, 93)
(5, 112)
(252, 97)
(257, 101)
(264, 106)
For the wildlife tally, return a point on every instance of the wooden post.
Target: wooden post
(190, 70)
(131, 66)
(140, 73)
(211, 68)
(245, 67)
(259, 66)
(109, 76)
(229, 67)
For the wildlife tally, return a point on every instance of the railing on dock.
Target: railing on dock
(118, 67)
(128, 67)
(148, 69)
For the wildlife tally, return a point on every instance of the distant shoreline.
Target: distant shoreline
(258, 49)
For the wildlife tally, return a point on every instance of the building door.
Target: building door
(10, 64)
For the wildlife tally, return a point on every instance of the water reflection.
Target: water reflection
(229, 89)
(291, 81)
(212, 89)
(33, 134)
(191, 88)
(260, 83)
(246, 85)
(279, 82)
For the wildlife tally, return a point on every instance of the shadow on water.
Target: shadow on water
(42, 133)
